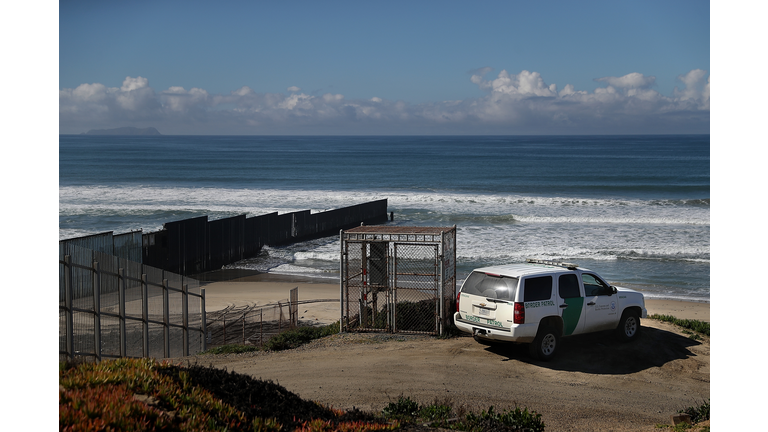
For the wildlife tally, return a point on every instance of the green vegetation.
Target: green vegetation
(299, 336)
(288, 339)
(232, 349)
(689, 324)
(698, 414)
(442, 414)
(146, 395)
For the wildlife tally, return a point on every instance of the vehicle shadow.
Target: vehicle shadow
(604, 353)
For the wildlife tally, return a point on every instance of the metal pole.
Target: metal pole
(97, 310)
(166, 322)
(261, 326)
(185, 318)
(123, 337)
(341, 281)
(244, 328)
(144, 316)
(202, 319)
(68, 317)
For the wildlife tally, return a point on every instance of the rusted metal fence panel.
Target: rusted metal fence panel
(397, 279)
(111, 307)
(256, 324)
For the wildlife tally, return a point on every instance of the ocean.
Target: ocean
(635, 209)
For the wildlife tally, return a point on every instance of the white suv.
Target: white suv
(540, 301)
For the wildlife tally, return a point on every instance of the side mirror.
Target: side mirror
(613, 288)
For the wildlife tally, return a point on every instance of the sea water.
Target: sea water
(636, 209)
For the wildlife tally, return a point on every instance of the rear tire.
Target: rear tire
(545, 344)
(629, 326)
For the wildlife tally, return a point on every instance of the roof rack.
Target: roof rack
(569, 266)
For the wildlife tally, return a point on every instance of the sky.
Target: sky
(385, 67)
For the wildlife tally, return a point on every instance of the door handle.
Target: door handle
(563, 306)
(591, 304)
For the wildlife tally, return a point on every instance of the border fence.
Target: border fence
(112, 307)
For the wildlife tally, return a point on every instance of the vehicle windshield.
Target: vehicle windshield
(490, 286)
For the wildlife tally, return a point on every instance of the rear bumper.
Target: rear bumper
(517, 333)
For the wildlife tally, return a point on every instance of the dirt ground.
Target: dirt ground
(595, 383)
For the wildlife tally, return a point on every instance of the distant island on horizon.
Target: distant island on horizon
(130, 130)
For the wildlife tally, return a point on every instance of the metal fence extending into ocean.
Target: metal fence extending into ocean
(130, 295)
(112, 307)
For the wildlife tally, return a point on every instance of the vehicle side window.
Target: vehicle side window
(594, 286)
(568, 285)
(538, 288)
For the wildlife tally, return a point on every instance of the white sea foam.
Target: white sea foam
(252, 202)
(492, 228)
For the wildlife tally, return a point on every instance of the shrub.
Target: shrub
(695, 325)
(403, 408)
(515, 420)
(232, 349)
(698, 413)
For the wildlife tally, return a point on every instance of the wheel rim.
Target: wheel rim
(548, 344)
(630, 327)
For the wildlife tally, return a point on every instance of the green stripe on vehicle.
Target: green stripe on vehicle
(571, 314)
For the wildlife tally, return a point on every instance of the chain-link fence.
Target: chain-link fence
(398, 279)
(112, 307)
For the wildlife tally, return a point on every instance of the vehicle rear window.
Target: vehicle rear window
(491, 286)
(538, 288)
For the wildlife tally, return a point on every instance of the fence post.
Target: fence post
(202, 319)
(342, 260)
(185, 318)
(123, 338)
(293, 310)
(261, 327)
(97, 311)
(68, 314)
(244, 327)
(145, 315)
(166, 322)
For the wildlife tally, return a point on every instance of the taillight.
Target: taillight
(519, 313)
(458, 296)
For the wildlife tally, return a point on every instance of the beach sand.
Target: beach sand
(249, 288)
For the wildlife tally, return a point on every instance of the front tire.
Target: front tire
(629, 326)
(545, 344)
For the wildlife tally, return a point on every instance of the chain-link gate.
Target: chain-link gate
(397, 279)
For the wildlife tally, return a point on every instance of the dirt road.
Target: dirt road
(594, 384)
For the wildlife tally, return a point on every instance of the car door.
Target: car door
(571, 304)
(601, 301)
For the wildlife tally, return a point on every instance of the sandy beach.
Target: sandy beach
(244, 289)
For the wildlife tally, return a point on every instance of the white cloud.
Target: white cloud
(514, 103)
(629, 81)
(293, 89)
(695, 88)
(523, 84)
(130, 84)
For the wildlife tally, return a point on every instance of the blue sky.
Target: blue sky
(351, 67)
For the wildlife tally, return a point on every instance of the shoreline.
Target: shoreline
(236, 287)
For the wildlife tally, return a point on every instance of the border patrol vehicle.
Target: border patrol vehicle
(539, 302)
